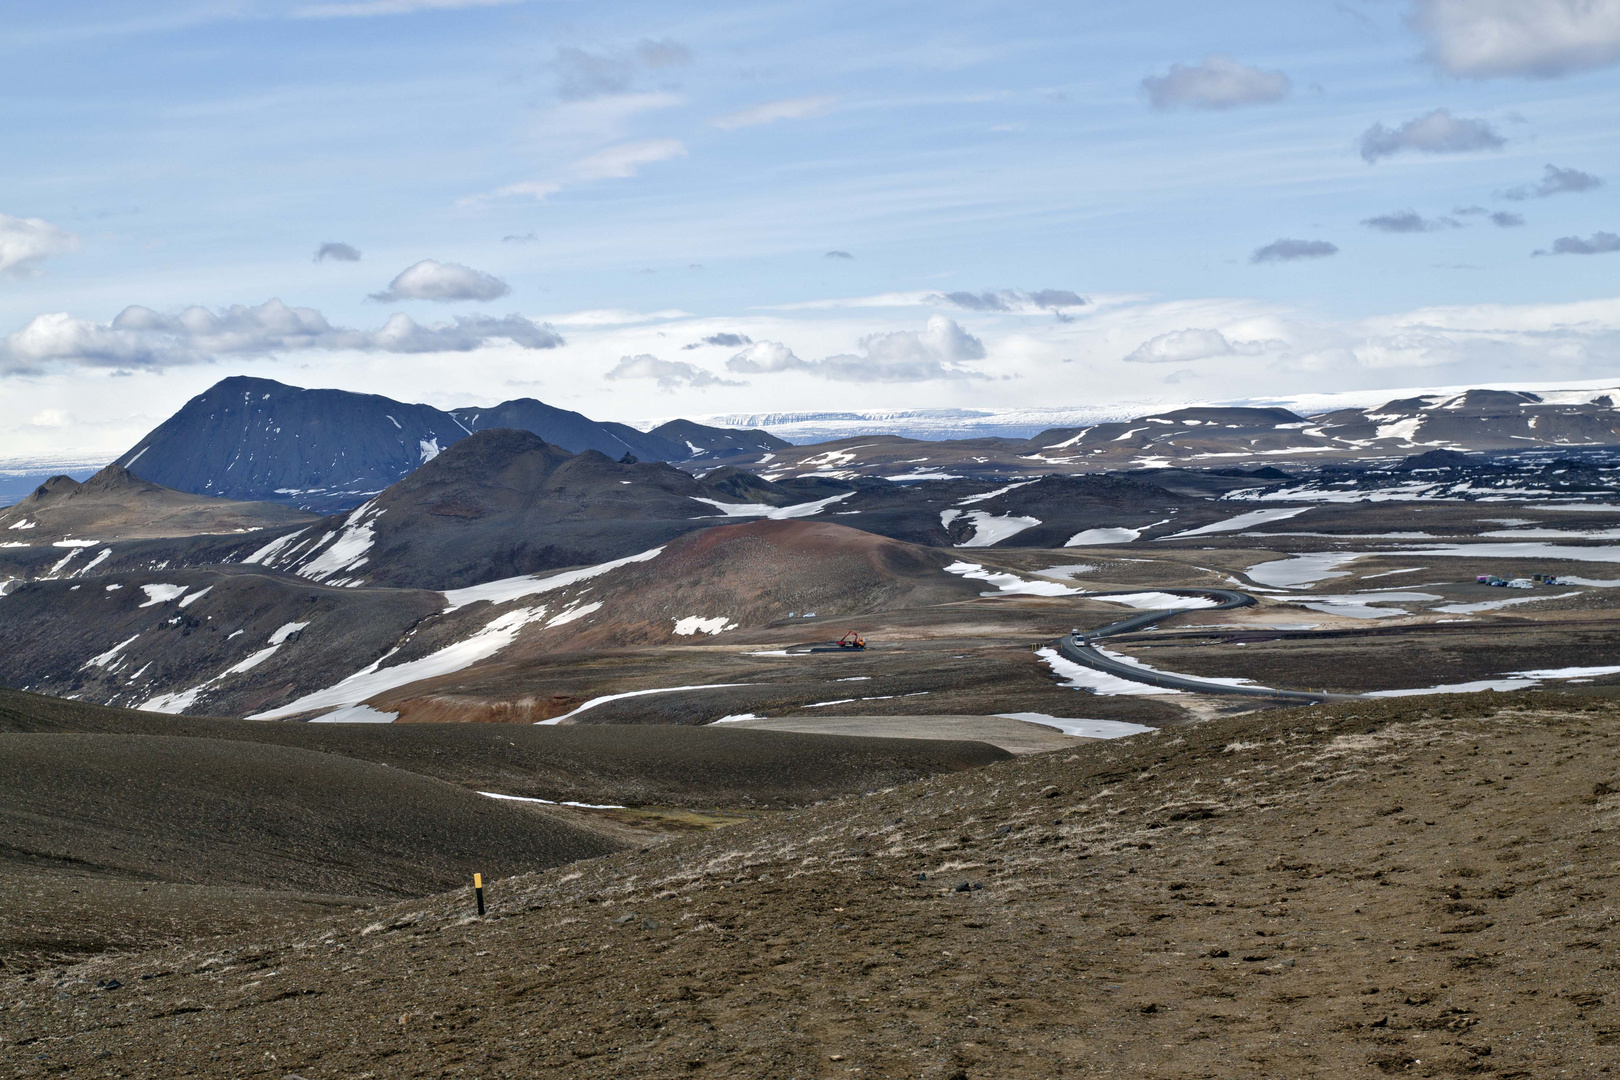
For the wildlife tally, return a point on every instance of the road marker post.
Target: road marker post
(478, 891)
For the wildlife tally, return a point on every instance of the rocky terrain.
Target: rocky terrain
(115, 504)
(1416, 888)
(126, 829)
(1477, 421)
(327, 450)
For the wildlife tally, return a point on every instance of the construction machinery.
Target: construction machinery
(850, 641)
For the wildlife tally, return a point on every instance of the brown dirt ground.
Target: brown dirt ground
(1422, 888)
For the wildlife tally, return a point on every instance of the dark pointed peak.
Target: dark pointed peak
(55, 488)
(113, 478)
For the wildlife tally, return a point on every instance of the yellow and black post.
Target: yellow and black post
(478, 891)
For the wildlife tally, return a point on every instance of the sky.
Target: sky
(650, 210)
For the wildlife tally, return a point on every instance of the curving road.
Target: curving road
(1081, 648)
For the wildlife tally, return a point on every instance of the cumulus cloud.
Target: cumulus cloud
(935, 352)
(1286, 250)
(584, 75)
(729, 341)
(1481, 39)
(1436, 132)
(1407, 221)
(770, 112)
(1599, 243)
(669, 374)
(1220, 82)
(338, 252)
(1012, 300)
(1186, 346)
(1554, 181)
(1502, 219)
(140, 337)
(25, 243)
(444, 282)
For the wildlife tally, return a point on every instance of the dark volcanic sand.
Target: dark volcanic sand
(1399, 888)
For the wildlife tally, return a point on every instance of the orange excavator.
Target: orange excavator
(850, 641)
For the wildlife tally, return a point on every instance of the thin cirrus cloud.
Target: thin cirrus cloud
(1482, 39)
(1289, 250)
(1554, 181)
(1219, 82)
(1436, 132)
(800, 108)
(583, 75)
(371, 8)
(1599, 243)
(1012, 300)
(337, 252)
(25, 244)
(1408, 221)
(614, 163)
(442, 282)
(140, 337)
(668, 374)
(936, 352)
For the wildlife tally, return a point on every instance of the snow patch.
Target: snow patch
(508, 589)
(1095, 537)
(1158, 601)
(565, 617)
(369, 681)
(103, 659)
(773, 513)
(1080, 729)
(696, 624)
(162, 594)
(1011, 584)
(1241, 522)
(604, 699)
(357, 714)
(989, 530)
(1079, 677)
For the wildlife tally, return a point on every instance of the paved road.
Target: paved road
(1082, 649)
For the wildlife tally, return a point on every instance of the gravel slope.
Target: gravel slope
(1364, 890)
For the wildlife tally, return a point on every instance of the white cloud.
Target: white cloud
(1180, 347)
(140, 337)
(1436, 132)
(27, 242)
(771, 111)
(445, 282)
(1482, 39)
(1220, 82)
(935, 352)
(669, 374)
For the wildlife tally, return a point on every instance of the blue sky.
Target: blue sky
(1107, 183)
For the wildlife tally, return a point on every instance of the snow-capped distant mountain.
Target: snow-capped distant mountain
(931, 425)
